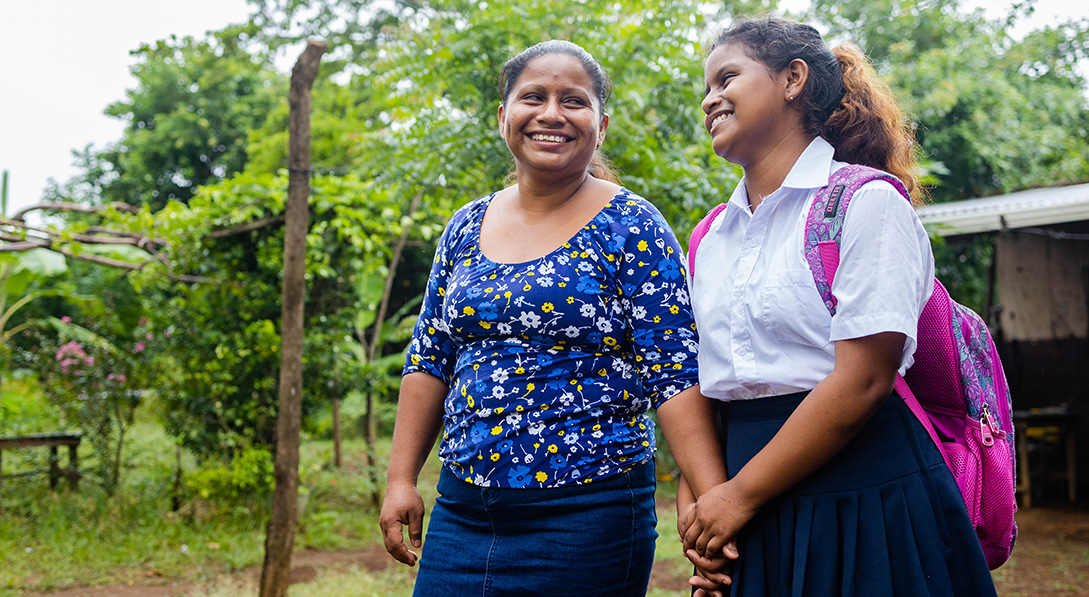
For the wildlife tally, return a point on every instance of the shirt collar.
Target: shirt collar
(810, 171)
(813, 167)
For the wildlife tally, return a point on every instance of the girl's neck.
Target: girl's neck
(763, 176)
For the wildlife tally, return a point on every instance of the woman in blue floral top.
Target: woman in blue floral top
(555, 315)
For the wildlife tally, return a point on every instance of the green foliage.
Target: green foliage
(25, 410)
(188, 120)
(249, 476)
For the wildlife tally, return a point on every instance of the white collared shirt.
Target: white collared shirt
(764, 330)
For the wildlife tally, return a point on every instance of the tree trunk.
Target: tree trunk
(280, 539)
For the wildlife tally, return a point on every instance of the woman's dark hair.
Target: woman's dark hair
(603, 86)
(844, 99)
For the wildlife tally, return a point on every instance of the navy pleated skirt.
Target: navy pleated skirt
(883, 517)
(587, 540)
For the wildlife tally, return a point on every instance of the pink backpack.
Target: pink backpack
(956, 387)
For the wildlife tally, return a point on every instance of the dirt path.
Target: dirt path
(1051, 558)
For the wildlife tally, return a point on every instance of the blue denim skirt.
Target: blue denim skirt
(589, 539)
(882, 517)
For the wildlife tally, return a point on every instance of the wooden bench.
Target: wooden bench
(54, 441)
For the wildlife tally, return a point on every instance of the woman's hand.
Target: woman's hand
(712, 575)
(402, 506)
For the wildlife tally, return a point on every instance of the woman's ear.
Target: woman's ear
(601, 128)
(501, 120)
(796, 73)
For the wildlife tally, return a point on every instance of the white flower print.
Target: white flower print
(536, 428)
(571, 331)
(528, 458)
(648, 288)
(547, 268)
(499, 375)
(570, 438)
(504, 328)
(587, 310)
(530, 319)
(639, 312)
(545, 281)
(586, 266)
(514, 418)
(605, 326)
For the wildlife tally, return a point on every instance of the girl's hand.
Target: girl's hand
(716, 519)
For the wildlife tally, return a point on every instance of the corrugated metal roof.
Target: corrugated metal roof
(1024, 209)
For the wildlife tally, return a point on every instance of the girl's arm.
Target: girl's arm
(419, 417)
(833, 413)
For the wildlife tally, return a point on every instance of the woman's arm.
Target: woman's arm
(833, 413)
(688, 424)
(419, 417)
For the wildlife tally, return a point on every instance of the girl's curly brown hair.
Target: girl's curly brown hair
(844, 100)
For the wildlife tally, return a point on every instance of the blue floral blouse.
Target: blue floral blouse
(553, 363)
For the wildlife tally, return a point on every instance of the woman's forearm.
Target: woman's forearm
(689, 426)
(419, 418)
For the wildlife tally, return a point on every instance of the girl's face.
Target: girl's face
(745, 104)
(551, 119)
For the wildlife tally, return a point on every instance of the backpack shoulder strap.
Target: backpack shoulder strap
(824, 223)
(698, 233)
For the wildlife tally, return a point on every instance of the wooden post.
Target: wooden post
(280, 540)
(54, 467)
(337, 460)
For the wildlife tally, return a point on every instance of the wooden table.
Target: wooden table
(53, 441)
(1062, 420)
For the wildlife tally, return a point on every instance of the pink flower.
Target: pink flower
(148, 336)
(139, 347)
(66, 319)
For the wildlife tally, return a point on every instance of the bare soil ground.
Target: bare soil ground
(1051, 558)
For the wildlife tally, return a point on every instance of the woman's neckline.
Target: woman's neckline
(487, 200)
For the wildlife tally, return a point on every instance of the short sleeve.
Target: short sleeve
(886, 271)
(432, 349)
(654, 293)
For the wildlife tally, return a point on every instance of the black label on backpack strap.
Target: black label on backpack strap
(833, 201)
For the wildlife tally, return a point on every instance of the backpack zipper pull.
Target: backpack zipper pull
(986, 425)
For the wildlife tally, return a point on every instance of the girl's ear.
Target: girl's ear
(796, 73)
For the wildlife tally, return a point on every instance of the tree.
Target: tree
(281, 528)
(188, 120)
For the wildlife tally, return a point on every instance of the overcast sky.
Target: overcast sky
(65, 61)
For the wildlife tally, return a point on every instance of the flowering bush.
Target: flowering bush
(96, 384)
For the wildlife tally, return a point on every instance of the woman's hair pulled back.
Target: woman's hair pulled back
(844, 99)
(602, 86)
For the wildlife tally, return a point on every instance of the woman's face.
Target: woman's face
(551, 119)
(745, 104)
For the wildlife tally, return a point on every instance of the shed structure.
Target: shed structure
(1039, 310)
